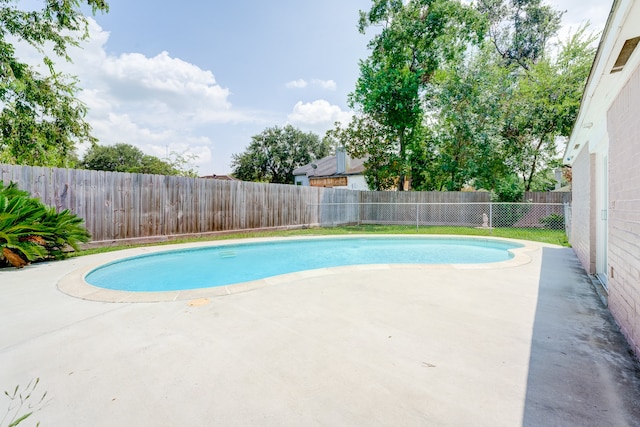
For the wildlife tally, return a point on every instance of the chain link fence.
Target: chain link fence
(482, 215)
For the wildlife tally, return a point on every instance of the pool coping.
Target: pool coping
(74, 283)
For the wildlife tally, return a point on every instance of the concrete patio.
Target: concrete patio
(524, 345)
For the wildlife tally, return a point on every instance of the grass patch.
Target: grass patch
(556, 237)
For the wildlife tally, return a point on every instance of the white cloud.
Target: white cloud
(159, 104)
(302, 83)
(325, 84)
(170, 81)
(157, 91)
(296, 84)
(318, 115)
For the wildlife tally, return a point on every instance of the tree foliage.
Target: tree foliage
(544, 105)
(416, 39)
(450, 105)
(366, 138)
(275, 153)
(127, 158)
(520, 30)
(465, 145)
(41, 119)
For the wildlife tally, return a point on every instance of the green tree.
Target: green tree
(125, 158)
(366, 138)
(41, 119)
(543, 106)
(500, 112)
(417, 38)
(275, 153)
(466, 146)
(183, 163)
(545, 84)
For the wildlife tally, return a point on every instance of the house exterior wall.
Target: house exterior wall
(301, 180)
(582, 233)
(624, 209)
(357, 182)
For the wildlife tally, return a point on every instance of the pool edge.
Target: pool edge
(74, 284)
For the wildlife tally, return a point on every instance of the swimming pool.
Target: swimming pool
(221, 265)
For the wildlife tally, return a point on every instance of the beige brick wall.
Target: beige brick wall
(623, 122)
(581, 224)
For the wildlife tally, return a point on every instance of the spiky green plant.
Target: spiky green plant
(18, 221)
(29, 230)
(66, 230)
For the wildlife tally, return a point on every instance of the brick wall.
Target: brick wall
(581, 224)
(624, 209)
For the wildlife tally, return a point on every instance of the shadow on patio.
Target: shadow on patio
(581, 370)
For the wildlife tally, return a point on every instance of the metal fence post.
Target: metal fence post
(490, 218)
(417, 217)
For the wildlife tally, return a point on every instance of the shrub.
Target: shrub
(553, 222)
(510, 189)
(506, 214)
(31, 231)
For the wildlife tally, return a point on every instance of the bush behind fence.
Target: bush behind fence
(124, 206)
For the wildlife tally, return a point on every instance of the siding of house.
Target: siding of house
(582, 233)
(624, 209)
(357, 182)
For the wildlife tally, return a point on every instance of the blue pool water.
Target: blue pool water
(228, 264)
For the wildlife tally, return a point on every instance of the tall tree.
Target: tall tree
(499, 113)
(492, 120)
(465, 142)
(544, 105)
(435, 107)
(275, 153)
(41, 118)
(416, 39)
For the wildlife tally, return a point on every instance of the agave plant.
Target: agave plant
(30, 230)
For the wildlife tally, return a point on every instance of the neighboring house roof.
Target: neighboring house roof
(327, 166)
(221, 177)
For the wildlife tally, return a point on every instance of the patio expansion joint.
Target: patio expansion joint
(112, 308)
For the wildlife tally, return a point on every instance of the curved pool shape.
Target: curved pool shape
(223, 265)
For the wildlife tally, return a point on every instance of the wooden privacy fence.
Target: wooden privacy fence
(125, 206)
